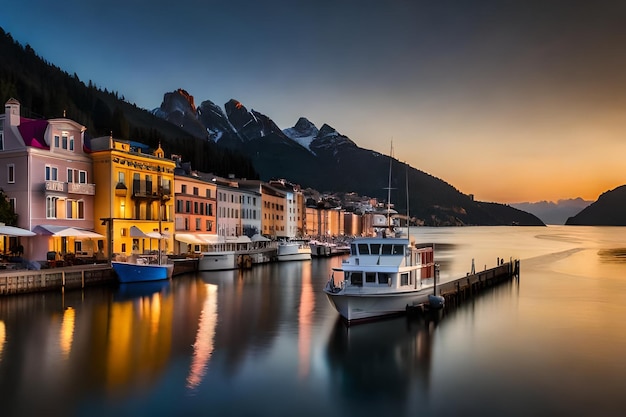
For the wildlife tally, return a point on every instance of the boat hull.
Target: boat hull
(217, 261)
(130, 272)
(300, 256)
(293, 252)
(360, 307)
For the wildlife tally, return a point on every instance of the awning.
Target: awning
(211, 239)
(64, 231)
(189, 239)
(238, 239)
(15, 231)
(136, 232)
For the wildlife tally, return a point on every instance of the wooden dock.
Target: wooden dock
(22, 281)
(456, 291)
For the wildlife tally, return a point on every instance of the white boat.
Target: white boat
(217, 260)
(325, 249)
(381, 277)
(293, 250)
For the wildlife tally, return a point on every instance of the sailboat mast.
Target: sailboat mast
(408, 229)
(389, 188)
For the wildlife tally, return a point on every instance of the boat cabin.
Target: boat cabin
(395, 263)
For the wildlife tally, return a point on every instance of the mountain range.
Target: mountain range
(554, 213)
(325, 160)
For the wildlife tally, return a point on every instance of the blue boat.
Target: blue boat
(141, 272)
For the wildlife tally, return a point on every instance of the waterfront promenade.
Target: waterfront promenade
(20, 281)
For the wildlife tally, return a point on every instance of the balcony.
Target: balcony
(146, 190)
(70, 187)
(77, 188)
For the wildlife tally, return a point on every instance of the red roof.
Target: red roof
(32, 131)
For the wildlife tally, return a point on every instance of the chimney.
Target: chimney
(12, 112)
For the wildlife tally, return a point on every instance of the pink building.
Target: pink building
(46, 173)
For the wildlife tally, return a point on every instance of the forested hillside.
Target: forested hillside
(46, 91)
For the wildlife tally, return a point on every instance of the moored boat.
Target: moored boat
(293, 250)
(381, 277)
(141, 270)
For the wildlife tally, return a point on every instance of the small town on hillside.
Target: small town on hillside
(91, 202)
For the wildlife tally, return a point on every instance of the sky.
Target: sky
(511, 101)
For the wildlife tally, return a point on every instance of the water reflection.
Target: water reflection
(204, 345)
(380, 361)
(616, 255)
(305, 321)
(67, 331)
(3, 336)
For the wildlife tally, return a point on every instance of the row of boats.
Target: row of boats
(381, 275)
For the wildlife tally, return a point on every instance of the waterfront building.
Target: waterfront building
(195, 210)
(136, 196)
(273, 203)
(47, 175)
(295, 210)
(325, 222)
(352, 224)
(229, 198)
(250, 212)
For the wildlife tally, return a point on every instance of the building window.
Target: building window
(69, 209)
(195, 191)
(187, 206)
(198, 222)
(56, 141)
(51, 173)
(121, 178)
(81, 209)
(51, 207)
(183, 188)
(71, 143)
(208, 193)
(11, 173)
(13, 204)
(209, 226)
(64, 140)
(1, 135)
(70, 175)
(82, 177)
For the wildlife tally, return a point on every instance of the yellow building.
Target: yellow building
(134, 197)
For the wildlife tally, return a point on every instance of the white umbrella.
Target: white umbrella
(15, 231)
(259, 238)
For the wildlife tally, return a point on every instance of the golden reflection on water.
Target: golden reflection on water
(66, 335)
(305, 321)
(3, 336)
(139, 339)
(204, 344)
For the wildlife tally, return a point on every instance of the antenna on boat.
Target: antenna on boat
(408, 229)
(389, 188)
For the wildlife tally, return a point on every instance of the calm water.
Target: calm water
(266, 342)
